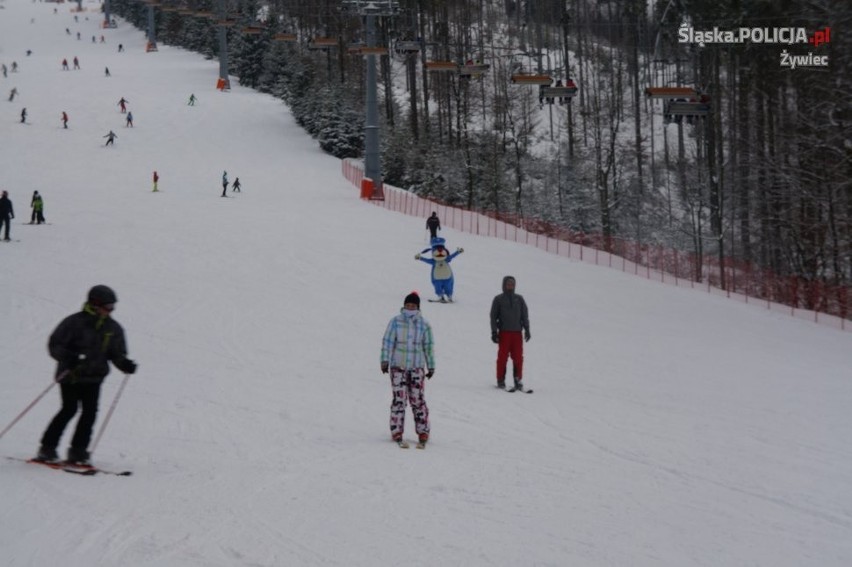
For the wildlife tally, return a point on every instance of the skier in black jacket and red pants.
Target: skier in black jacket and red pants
(509, 316)
(83, 345)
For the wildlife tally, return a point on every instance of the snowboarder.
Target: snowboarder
(192, 100)
(37, 205)
(110, 138)
(224, 183)
(129, 123)
(433, 225)
(23, 115)
(13, 93)
(509, 317)
(236, 186)
(442, 275)
(7, 213)
(83, 345)
(407, 355)
(156, 178)
(123, 104)
(64, 119)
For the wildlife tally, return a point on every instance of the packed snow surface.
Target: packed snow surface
(668, 426)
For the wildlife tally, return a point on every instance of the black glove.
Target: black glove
(494, 338)
(127, 366)
(384, 367)
(527, 335)
(430, 373)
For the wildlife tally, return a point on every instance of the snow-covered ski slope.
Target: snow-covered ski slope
(668, 427)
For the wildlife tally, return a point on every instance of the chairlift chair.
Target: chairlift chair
(473, 69)
(676, 109)
(668, 93)
(376, 50)
(407, 46)
(559, 91)
(285, 37)
(525, 79)
(442, 67)
(322, 43)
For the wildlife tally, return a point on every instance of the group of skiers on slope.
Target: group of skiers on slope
(7, 212)
(407, 345)
(236, 187)
(86, 342)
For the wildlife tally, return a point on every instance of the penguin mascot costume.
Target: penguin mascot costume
(442, 274)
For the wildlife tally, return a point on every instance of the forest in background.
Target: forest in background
(761, 184)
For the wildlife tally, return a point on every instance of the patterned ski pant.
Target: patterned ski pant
(408, 385)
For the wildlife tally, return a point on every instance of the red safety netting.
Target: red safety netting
(797, 296)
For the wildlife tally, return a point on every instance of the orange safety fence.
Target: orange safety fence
(797, 296)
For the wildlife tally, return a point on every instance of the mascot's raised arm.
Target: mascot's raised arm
(442, 274)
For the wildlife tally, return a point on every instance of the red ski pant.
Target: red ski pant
(511, 344)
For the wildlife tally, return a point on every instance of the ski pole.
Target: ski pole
(109, 413)
(28, 408)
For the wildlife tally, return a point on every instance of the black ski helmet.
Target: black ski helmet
(101, 295)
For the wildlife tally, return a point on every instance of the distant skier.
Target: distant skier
(76, 63)
(442, 275)
(37, 205)
(64, 119)
(120, 47)
(129, 122)
(122, 104)
(23, 116)
(106, 72)
(224, 183)
(83, 345)
(7, 213)
(236, 186)
(192, 100)
(509, 316)
(110, 138)
(12, 94)
(156, 179)
(64, 64)
(433, 225)
(407, 355)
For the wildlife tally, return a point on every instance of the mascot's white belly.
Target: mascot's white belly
(441, 270)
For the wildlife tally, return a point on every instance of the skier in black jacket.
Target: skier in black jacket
(83, 345)
(433, 225)
(7, 213)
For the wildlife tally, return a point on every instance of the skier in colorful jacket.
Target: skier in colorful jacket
(442, 274)
(407, 354)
